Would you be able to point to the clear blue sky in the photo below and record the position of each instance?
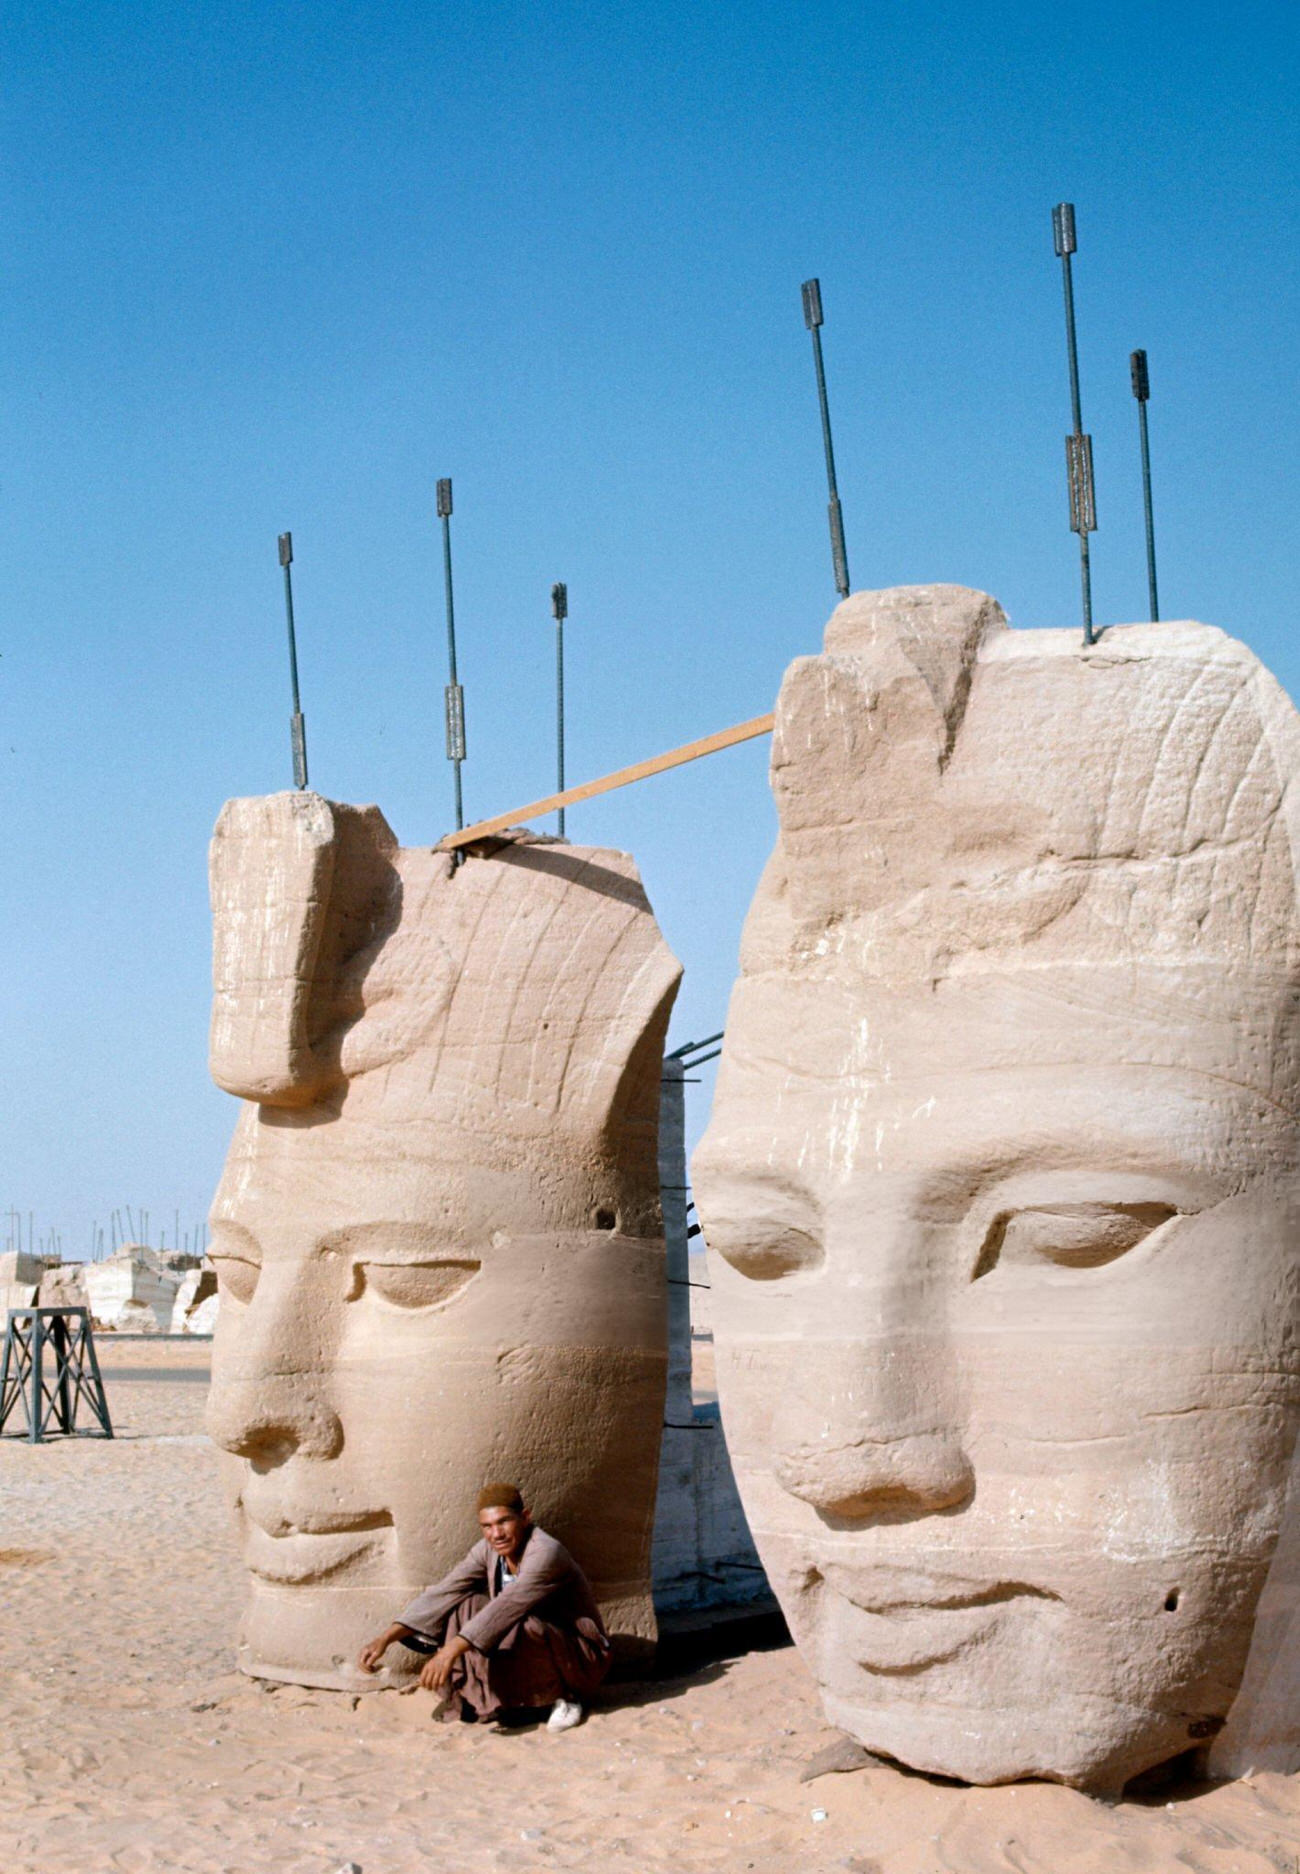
(277, 266)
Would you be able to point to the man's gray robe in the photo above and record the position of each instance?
(535, 1636)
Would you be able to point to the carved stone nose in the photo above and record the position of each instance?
(872, 1425)
(271, 1420)
(922, 1471)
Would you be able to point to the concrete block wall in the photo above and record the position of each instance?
(704, 1556)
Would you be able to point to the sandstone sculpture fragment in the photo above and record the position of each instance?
(1000, 1192)
(133, 1291)
(437, 1235)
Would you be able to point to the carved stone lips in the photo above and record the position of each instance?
(902, 1622)
(905, 1590)
(309, 1546)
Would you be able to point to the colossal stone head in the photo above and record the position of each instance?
(437, 1235)
(1000, 1192)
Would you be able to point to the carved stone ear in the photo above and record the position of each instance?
(297, 886)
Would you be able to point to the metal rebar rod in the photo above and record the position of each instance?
(559, 611)
(1085, 589)
(689, 1047)
(454, 696)
(297, 727)
(1078, 445)
(813, 318)
(1071, 343)
(1141, 379)
(1148, 515)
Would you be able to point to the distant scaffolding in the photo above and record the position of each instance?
(50, 1370)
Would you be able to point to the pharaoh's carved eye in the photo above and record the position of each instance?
(236, 1275)
(767, 1255)
(1073, 1236)
(414, 1284)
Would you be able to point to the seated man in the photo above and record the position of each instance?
(515, 1623)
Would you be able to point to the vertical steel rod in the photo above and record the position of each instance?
(297, 727)
(812, 318)
(559, 611)
(65, 1404)
(454, 695)
(1078, 445)
(1141, 379)
(38, 1378)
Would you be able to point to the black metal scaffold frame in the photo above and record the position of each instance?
(50, 1391)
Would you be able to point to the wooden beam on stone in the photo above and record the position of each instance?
(639, 771)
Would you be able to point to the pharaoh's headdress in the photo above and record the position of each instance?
(520, 996)
(957, 799)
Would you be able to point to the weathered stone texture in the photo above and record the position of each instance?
(1000, 1192)
(438, 1235)
(132, 1291)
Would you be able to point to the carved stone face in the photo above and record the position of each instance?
(384, 1346)
(1009, 1376)
(446, 1266)
(1002, 1229)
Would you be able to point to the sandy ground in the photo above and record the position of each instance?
(128, 1744)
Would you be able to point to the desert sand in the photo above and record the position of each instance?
(129, 1744)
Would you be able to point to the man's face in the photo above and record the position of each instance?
(386, 1340)
(1006, 1320)
(504, 1530)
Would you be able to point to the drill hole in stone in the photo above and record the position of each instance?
(1171, 1601)
(606, 1220)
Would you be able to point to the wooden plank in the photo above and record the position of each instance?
(639, 771)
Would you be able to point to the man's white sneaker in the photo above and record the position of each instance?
(565, 1713)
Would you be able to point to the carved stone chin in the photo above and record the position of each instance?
(437, 1234)
(1000, 1192)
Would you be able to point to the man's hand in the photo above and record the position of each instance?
(436, 1671)
(371, 1654)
